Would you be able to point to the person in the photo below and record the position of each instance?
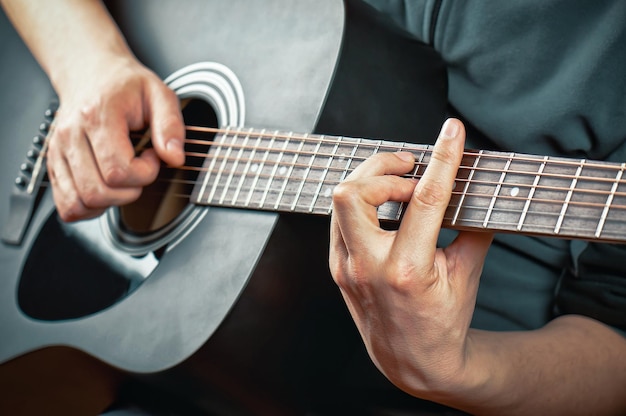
(543, 331)
(467, 319)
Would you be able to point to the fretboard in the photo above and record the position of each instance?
(494, 191)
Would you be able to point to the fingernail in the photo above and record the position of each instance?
(173, 145)
(450, 129)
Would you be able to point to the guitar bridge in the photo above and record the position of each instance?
(26, 192)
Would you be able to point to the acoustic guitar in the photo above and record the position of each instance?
(217, 276)
(230, 310)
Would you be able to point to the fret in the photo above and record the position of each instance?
(547, 201)
(475, 206)
(281, 167)
(233, 167)
(393, 210)
(615, 224)
(297, 145)
(257, 169)
(322, 179)
(249, 160)
(222, 167)
(269, 150)
(493, 190)
(479, 193)
(529, 198)
(341, 166)
(214, 153)
(417, 172)
(305, 176)
(466, 188)
(609, 200)
(288, 173)
(316, 174)
(568, 197)
(588, 201)
(348, 167)
(496, 192)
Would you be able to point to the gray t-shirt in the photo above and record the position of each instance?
(543, 77)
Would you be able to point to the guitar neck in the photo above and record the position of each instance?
(494, 191)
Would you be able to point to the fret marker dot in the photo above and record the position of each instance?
(328, 192)
(254, 168)
(515, 191)
(282, 170)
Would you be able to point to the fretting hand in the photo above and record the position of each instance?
(412, 302)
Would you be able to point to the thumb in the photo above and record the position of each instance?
(470, 249)
(166, 121)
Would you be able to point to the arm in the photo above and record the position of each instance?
(104, 93)
(412, 303)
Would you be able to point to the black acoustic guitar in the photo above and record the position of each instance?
(215, 283)
(228, 308)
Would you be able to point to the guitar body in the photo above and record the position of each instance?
(238, 314)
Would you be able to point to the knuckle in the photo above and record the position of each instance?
(91, 197)
(344, 193)
(71, 210)
(90, 113)
(401, 277)
(431, 194)
(445, 153)
(113, 174)
(170, 122)
(59, 137)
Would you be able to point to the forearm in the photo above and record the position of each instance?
(64, 35)
(573, 365)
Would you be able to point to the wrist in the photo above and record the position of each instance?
(465, 381)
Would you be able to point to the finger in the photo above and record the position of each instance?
(384, 164)
(80, 190)
(467, 254)
(422, 220)
(91, 188)
(166, 122)
(358, 220)
(108, 132)
(338, 253)
(68, 204)
(355, 200)
(373, 183)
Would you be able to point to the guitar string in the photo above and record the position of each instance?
(521, 199)
(484, 156)
(493, 224)
(510, 172)
(426, 149)
(397, 146)
(501, 196)
(423, 149)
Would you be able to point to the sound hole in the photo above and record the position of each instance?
(166, 198)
